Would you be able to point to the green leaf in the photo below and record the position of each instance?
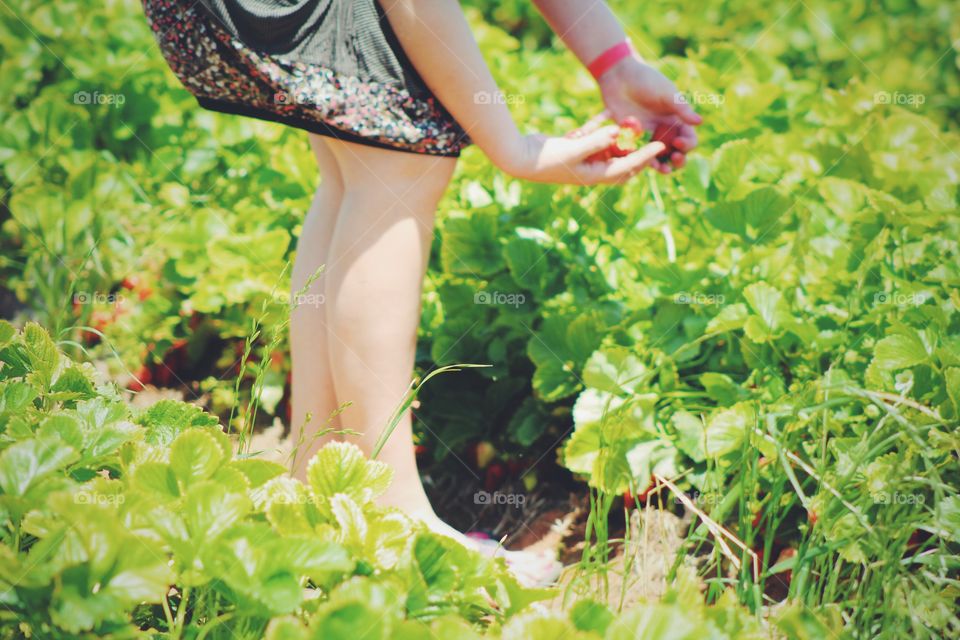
(948, 518)
(340, 467)
(899, 352)
(41, 352)
(158, 478)
(528, 423)
(471, 244)
(194, 456)
(430, 552)
(553, 381)
(16, 396)
(727, 429)
(7, 332)
(317, 559)
(696, 177)
(770, 312)
(952, 377)
(654, 622)
(167, 418)
(721, 388)
(730, 318)
(691, 435)
(209, 509)
(614, 369)
(286, 628)
(756, 217)
(141, 575)
(540, 627)
(258, 472)
(531, 257)
(286, 506)
(74, 383)
(25, 463)
(590, 615)
(729, 161)
(65, 427)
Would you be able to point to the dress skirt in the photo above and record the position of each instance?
(330, 67)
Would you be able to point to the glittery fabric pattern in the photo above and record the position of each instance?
(213, 65)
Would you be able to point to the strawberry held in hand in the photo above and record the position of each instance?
(627, 141)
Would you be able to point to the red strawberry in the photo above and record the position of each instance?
(494, 477)
(143, 377)
(786, 554)
(643, 495)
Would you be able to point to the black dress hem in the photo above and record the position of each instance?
(311, 126)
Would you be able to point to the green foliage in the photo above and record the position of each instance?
(775, 328)
(167, 534)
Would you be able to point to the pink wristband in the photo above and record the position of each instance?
(602, 63)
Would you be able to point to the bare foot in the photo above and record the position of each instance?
(530, 568)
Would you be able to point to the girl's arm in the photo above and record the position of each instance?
(437, 39)
(588, 28)
(631, 87)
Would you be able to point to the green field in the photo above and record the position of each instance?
(763, 347)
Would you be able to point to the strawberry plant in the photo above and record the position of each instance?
(767, 339)
(119, 523)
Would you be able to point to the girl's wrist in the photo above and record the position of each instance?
(611, 58)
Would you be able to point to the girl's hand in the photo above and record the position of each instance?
(633, 88)
(564, 160)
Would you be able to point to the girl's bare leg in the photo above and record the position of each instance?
(375, 269)
(312, 384)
